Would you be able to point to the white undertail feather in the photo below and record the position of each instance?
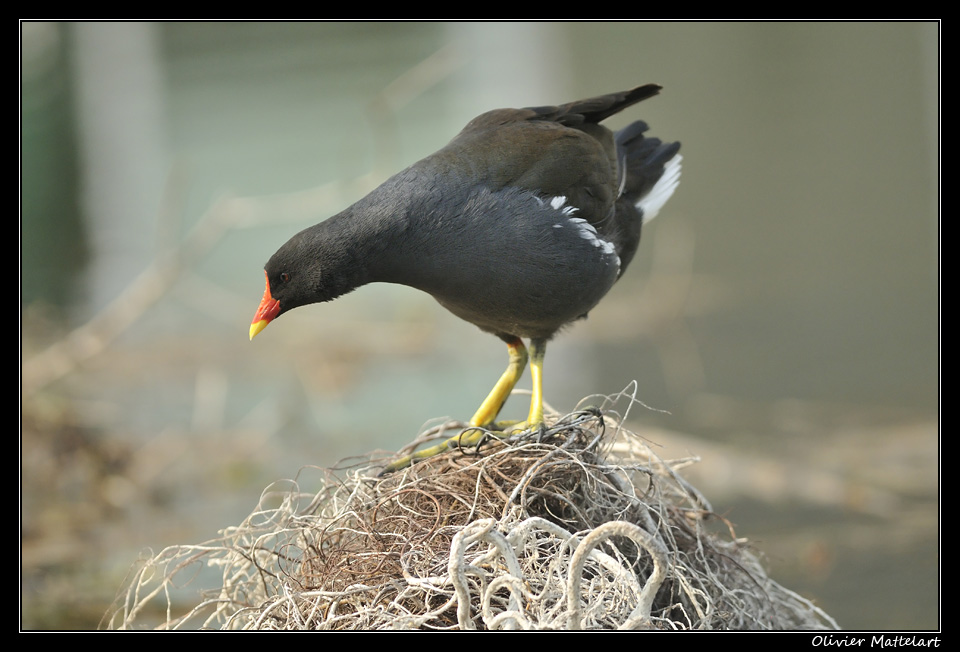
(651, 203)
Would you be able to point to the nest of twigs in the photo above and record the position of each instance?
(582, 526)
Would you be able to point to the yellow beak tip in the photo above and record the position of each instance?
(258, 326)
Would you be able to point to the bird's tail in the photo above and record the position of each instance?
(649, 168)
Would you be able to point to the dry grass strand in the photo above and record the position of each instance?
(582, 528)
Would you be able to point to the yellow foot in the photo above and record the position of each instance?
(515, 427)
(483, 422)
(467, 438)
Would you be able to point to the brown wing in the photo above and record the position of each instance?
(550, 150)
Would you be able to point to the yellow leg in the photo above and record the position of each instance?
(537, 350)
(484, 417)
(535, 417)
(492, 405)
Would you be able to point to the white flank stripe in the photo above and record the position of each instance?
(558, 203)
(584, 229)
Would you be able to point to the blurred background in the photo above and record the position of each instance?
(780, 320)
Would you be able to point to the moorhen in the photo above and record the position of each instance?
(520, 225)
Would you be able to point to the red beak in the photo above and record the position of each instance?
(268, 310)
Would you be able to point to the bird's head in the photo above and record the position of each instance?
(311, 267)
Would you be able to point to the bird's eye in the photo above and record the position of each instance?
(284, 277)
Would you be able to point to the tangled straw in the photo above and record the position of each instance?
(583, 527)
